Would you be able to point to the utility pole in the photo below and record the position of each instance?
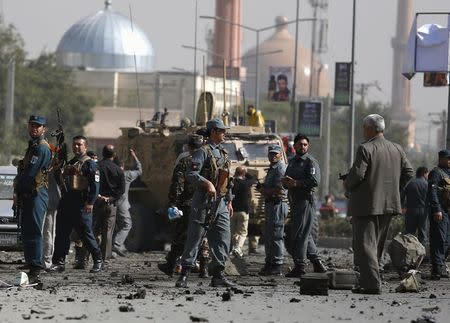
(327, 146)
(362, 89)
(351, 142)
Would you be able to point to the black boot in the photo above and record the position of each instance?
(98, 265)
(58, 266)
(167, 268)
(183, 278)
(80, 258)
(297, 272)
(34, 275)
(318, 266)
(219, 280)
(98, 262)
(271, 270)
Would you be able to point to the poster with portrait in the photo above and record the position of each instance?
(279, 83)
(310, 118)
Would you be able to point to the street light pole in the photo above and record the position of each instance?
(257, 72)
(195, 62)
(313, 49)
(294, 84)
(352, 103)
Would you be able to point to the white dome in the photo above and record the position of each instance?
(106, 40)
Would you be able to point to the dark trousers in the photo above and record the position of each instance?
(179, 239)
(33, 213)
(275, 212)
(104, 223)
(439, 240)
(303, 246)
(219, 236)
(416, 223)
(369, 236)
(70, 217)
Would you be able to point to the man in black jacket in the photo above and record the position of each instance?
(112, 187)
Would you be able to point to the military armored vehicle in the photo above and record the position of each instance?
(158, 147)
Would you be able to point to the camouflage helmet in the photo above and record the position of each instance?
(194, 141)
(185, 122)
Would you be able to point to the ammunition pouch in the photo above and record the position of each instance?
(77, 183)
(73, 177)
(41, 179)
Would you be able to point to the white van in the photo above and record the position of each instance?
(9, 226)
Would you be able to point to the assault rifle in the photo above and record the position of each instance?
(59, 159)
(212, 206)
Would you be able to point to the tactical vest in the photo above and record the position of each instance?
(73, 176)
(214, 170)
(41, 179)
(443, 189)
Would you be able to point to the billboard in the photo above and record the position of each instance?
(342, 83)
(310, 118)
(435, 79)
(278, 86)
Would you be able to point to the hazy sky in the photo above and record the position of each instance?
(170, 23)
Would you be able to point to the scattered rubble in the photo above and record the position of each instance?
(126, 308)
(127, 279)
(140, 294)
(226, 296)
(81, 317)
(198, 319)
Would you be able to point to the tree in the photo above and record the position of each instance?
(40, 87)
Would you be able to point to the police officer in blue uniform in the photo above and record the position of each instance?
(276, 211)
(302, 179)
(81, 187)
(31, 188)
(439, 203)
(204, 172)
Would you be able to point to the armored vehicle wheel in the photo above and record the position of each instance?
(142, 230)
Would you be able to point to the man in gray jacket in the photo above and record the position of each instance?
(374, 182)
(124, 223)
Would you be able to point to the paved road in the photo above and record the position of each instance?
(78, 295)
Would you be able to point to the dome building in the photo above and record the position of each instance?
(284, 61)
(106, 40)
(100, 49)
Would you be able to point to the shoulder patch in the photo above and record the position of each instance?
(34, 159)
(313, 170)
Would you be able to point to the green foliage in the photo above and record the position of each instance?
(341, 227)
(40, 87)
(335, 227)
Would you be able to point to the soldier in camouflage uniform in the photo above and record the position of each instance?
(209, 172)
(180, 196)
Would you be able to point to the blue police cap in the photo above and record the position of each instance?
(444, 153)
(38, 119)
(274, 149)
(216, 123)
